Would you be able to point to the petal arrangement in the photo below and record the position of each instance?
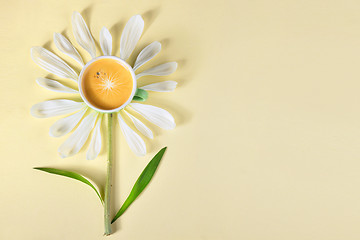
(108, 87)
(91, 123)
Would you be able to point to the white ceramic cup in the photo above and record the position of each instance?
(125, 65)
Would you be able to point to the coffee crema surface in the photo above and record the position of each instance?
(107, 84)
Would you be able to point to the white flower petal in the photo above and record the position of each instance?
(82, 34)
(55, 86)
(65, 125)
(166, 86)
(130, 36)
(52, 63)
(95, 144)
(160, 70)
(105, 41)
(140, 126)
(78, 138)
(67, 48)
(147, 54)
(135, 142)
(157, 116)
(53, 108)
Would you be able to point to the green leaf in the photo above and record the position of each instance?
(72, 175)
(141, 182)
(140, 95)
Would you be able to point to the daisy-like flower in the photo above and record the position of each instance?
(106, 84)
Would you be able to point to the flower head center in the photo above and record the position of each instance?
(107, 84)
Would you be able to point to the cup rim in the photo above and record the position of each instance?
(122, 62)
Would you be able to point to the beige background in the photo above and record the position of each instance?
(267, 108)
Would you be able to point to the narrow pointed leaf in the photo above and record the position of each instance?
(141, 182)
(72, 175)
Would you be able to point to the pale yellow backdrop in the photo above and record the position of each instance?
(268, 123)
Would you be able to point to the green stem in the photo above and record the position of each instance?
(108, 184)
